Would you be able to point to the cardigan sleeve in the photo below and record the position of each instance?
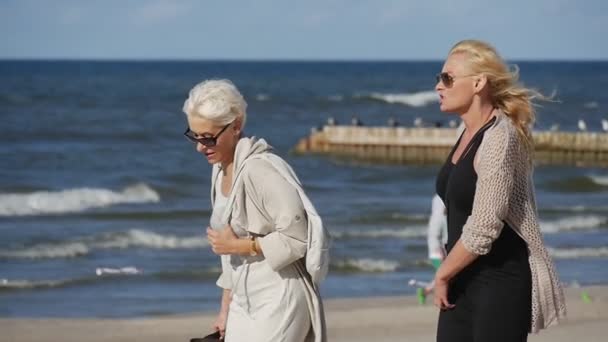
(499, 153)
(287, 241)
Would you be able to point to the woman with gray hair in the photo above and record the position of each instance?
(273, 247)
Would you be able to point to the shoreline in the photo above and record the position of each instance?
(348, 319)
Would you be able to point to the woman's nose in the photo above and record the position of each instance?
(439, 86)
(200, 147)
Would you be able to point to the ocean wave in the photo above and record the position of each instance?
(98, 277)
(580, 252)
(418, 99)
(409, 232)
(73, 200)
(591, 105)
(48, 251)
(7, 285)
(117, 240)
(582, 183)
(573, 223)
(335, 98)
(365, 265)
(574, 209)
(148, 214)
(387, 217)
(600, 180)
(262, 97)
(144, 238)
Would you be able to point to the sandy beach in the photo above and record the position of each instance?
(378, 319)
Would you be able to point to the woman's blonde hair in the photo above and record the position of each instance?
(506, 92)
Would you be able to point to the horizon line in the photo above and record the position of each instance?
(273, 60)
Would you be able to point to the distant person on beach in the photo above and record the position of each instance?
(271, 240)
(497, 282)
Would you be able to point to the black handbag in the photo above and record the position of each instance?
(213, 337)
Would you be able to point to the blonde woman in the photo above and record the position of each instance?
(270, 238)
(497, 282)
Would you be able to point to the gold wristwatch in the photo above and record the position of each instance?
(253, 251)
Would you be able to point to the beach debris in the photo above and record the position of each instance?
(418, 283)
(129, 270)
(422, 288)
(421, 296)
(585, 297)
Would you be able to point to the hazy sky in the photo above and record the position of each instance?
(305, 29)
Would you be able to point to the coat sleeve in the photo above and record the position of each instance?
(494, 190)
(287, 240)
(225, 279)
(435, 233)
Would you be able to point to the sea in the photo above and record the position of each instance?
(104, 203)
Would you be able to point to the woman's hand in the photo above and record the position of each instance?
(220, 323)
(441, 294)
(222, 241)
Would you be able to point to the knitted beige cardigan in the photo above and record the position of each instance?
(505, 193)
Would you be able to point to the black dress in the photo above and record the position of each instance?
(493, 294)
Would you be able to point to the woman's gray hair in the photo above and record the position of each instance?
(218, 101)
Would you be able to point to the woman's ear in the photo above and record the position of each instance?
(237, 127)
(480, 83)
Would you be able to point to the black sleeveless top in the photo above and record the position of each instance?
(456, 184)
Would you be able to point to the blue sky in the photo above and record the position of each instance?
(309, 29)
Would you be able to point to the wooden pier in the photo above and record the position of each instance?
(411, 145)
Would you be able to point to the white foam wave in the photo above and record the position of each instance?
(573, 208)
(581, 252)
(600, 180)
(400, 216)
(591, 105)
(120, 240)
(29, 284)
(368, 265)
(419, 99)
(144, 238)
(335, 98)
(573, 223)
(73, 200)
(262, 97)
(48, 251)
(577, 208)
(409, 232)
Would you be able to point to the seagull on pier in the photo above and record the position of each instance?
(605, 125)
(554, 128)
(418, 122)
(582, 126)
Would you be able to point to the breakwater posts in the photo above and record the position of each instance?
(413, 145)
